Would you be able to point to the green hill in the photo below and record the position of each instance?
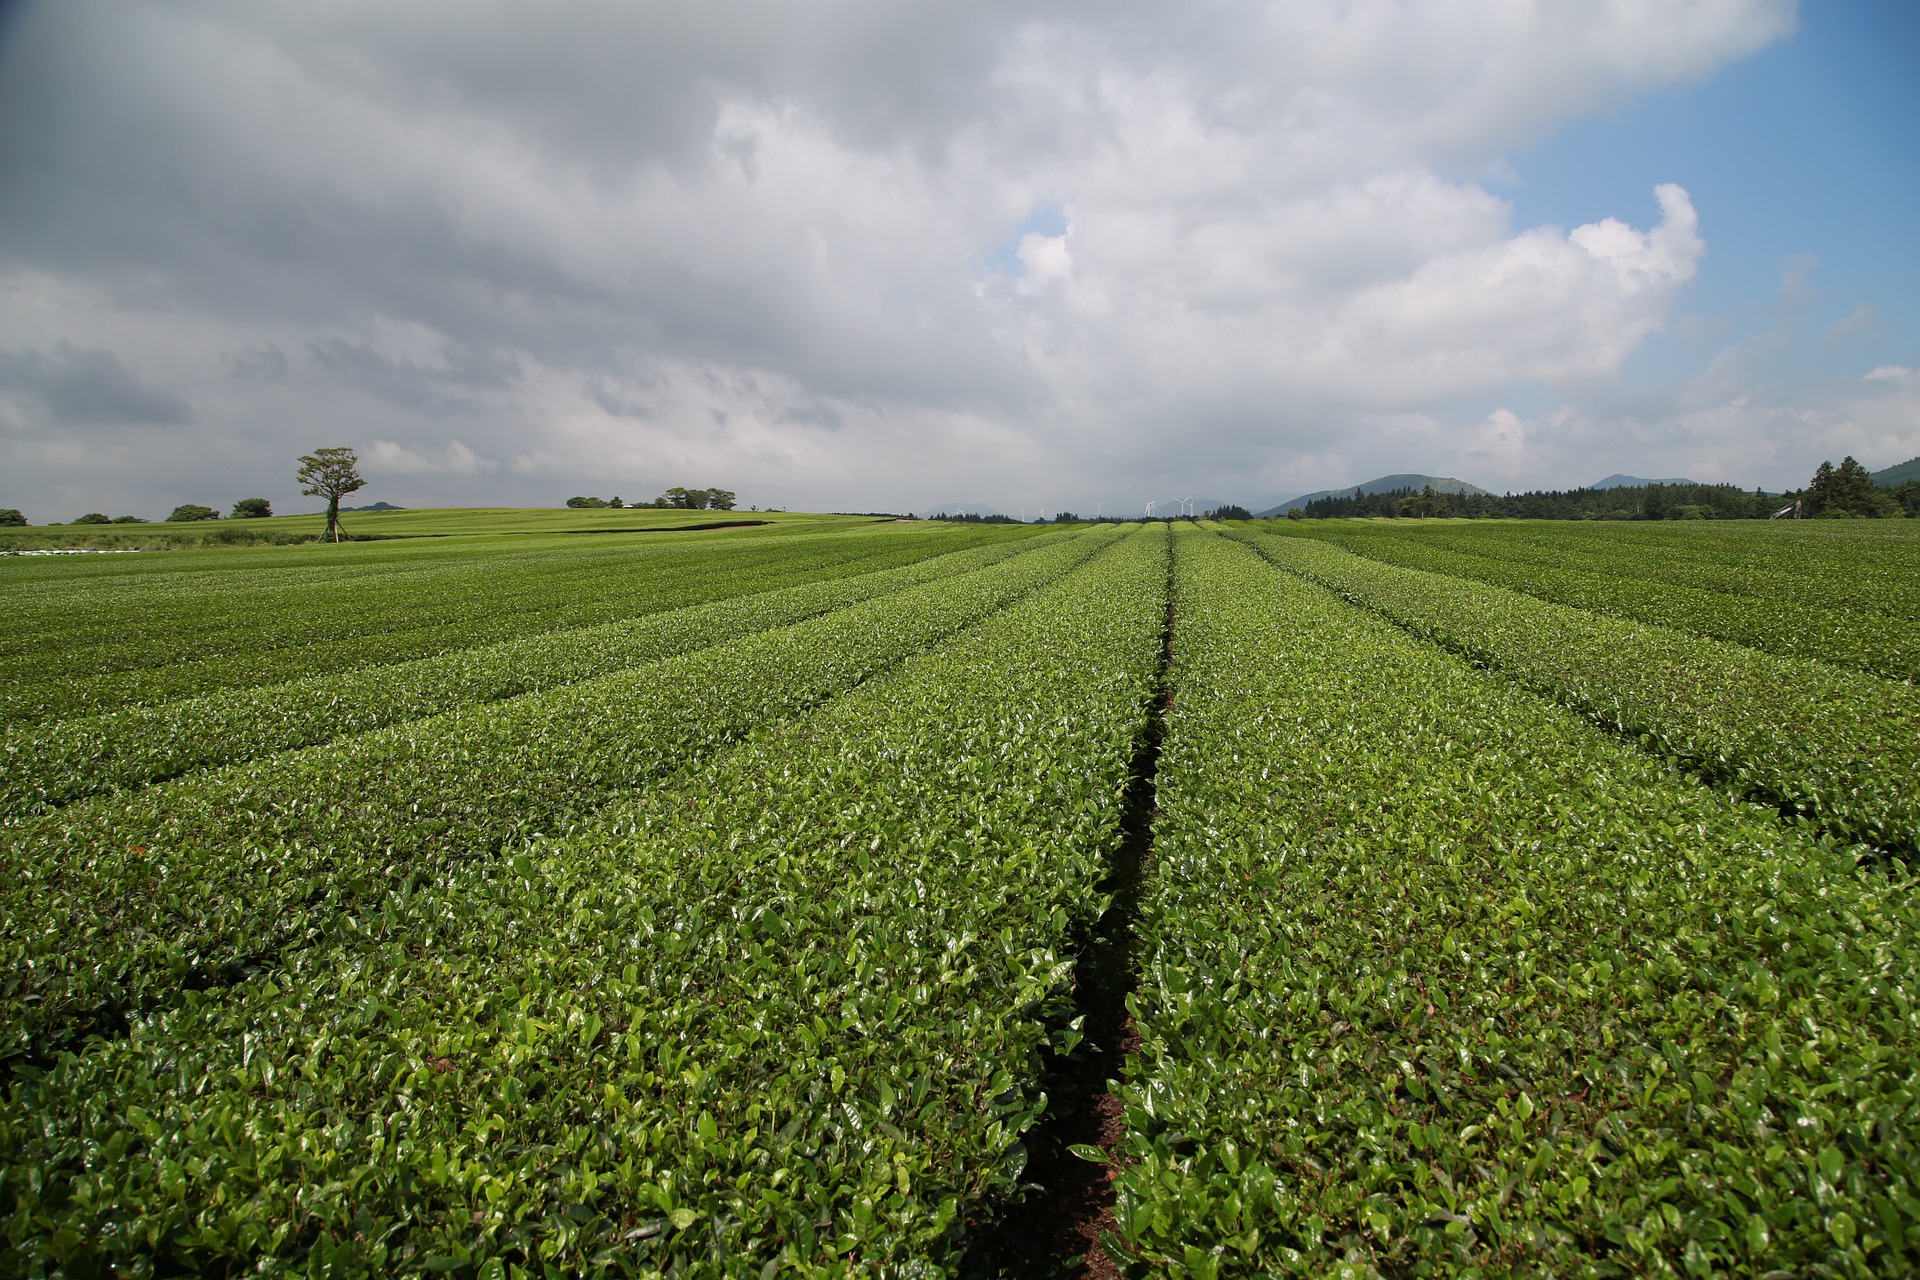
(1895, 476)
(1381, 484)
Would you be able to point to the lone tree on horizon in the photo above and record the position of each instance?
(331, 474)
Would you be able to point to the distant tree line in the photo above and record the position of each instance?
(185, 513)
(674, 499)
(1834, 492)
(1848, 492)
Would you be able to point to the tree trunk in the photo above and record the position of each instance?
(333, 518)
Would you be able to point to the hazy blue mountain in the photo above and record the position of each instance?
(1618, 481)
(1898, 474)
(1381, 484)
(378, 506)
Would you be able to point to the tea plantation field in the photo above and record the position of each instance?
(1471, 899)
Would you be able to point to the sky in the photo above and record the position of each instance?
(883, 254)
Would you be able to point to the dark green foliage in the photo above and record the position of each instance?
(252, 509)
(1630, 502)
(92, 517)
(129, 520)
(1232, 511)
(696, 499)
(190, 511)
(1848, 492)
(10, 517)
(580, 503)
(974, 517)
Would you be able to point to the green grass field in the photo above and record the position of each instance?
(844, 897)
(380, 525)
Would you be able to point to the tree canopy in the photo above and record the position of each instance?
(331, 474)
(1848, 491)
(696, 499)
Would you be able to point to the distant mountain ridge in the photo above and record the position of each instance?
(1380, 484)
(1898, 474)
(1620, 481)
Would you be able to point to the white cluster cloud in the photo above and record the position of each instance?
(453, 458)
(843, 254)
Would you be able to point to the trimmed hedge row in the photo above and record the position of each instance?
(1886, 645)
(79, 644)
(46, 765)
(120, 903)
(1839, 748)
(782, 1017)
(1441, 981)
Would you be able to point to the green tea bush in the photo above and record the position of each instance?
(48, 765)
(1737, 606)
(121, 904)
(1440, 980)
(782, 1016)
(1838, 747)
(159, 629)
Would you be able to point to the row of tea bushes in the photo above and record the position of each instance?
(782, 1017)
(1856, 567)
(185, 609)
(1439, 980)
(117, 904)
(1839, 748)
(46, 765)
(1869, 641)
(171, 628)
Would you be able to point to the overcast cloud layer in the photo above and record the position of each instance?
(849, 255)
